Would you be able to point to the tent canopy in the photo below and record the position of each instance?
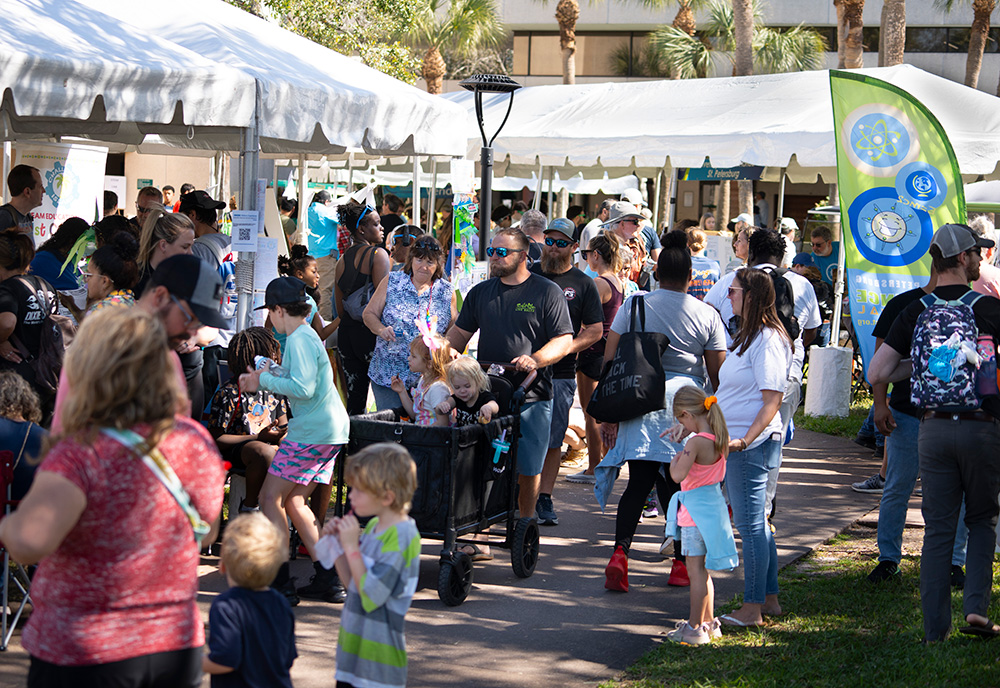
(777, 120)
(312, 99)
(67, 68)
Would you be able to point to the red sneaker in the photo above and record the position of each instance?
(679, 575)
(616, 572)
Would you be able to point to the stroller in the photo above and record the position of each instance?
(466, 480)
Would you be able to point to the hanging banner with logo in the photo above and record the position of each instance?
(72, 180)
(898, 180)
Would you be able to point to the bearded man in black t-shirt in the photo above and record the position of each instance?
(523, 322)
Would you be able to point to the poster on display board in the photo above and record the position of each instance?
(72, 180)
(898, 180)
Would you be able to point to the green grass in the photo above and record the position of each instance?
(839, 630)
(832, 425)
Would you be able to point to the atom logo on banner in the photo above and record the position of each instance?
(879, 139)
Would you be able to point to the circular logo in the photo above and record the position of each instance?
(887, 231)
(879, 139)
(921, 184)
(569, 293)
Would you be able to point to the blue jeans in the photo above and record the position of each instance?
(868, 429)
(902, 467)
(746, 483)
(385, 398)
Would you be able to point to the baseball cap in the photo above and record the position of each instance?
(282, 290)
(564, 226)
(619, 211)
(746, 218)
(192, 279)
(633, 196)
(955, 239)
(200, 199)
(788, 223)
(803, 259)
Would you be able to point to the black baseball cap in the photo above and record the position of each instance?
(283, 290)
(192, 279)
(200, 199)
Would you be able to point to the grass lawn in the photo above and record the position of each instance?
(832, 425)
(839, 630)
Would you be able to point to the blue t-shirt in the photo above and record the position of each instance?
(322, 237)
(47, 265)
(13, 436)
(827, 264)
(252, 631)
(705, 272)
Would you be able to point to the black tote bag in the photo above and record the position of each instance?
(633, 383)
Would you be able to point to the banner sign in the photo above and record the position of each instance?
(72, 179)
(707, 173)
(898, 180)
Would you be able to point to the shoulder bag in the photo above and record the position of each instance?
(358, 299)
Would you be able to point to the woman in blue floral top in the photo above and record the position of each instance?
(392, 314)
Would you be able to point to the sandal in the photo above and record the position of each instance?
(987, 630)
(475, 554)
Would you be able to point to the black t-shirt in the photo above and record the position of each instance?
(534, 252)
(899, 397)
(252, 631)
(469, 415)
(986, 310)
(514, 320)
(12, 217)
(389, 223)
(24, 302)
(584, 303)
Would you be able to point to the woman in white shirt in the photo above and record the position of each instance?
(751, 384)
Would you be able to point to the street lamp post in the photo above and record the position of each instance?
(480, 84)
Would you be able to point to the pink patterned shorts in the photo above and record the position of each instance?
(305, 463)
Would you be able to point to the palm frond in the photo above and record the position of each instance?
(687, 57)
(795, 50)
(474, 23)
(620, 61)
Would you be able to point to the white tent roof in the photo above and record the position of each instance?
(312, 99)
(66, 68)
(779, 120)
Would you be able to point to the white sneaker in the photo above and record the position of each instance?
(714, 628)
(685, 635)
(581, 477)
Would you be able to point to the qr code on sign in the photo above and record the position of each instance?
(244, 233)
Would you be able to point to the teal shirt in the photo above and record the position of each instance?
(318, 414)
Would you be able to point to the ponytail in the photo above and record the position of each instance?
(718, 424)
(693, 400)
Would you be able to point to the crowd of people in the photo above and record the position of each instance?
(115, 340)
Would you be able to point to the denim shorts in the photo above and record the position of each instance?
(692, 543)
(536, 417)
(563, 391)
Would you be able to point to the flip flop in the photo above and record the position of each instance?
(728, 620)
(476, 554)
(987, 630)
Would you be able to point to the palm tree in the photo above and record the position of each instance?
(981, 11)
(464, 27)
(892, 37)
(850, 25)
(743, 21)
(773, 50)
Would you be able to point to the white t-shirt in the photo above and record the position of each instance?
(692, 327)
(764, 366)
(786, 260)
(590, 230)
(806, 310)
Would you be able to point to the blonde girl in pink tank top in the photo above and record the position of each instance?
(703, 462)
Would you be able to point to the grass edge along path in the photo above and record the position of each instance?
(838, 630)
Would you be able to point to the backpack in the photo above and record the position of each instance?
(56, 335)
(943, 352)
(227, 271)
(784, 303)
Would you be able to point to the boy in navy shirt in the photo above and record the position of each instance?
(251, 626)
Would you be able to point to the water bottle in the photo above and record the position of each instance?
(986, 375)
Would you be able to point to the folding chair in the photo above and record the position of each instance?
(17, 574)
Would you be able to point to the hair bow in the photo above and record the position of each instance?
(427, 326)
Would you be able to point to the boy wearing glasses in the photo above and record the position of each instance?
(587, 317)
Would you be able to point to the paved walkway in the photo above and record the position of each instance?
(561, 625)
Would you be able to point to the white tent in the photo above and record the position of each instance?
(311, 99)
(778, 120)
(66, 68)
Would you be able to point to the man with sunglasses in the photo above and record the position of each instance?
(184, 292)
(148, 198)
(523, 323)
(959, 452)
(825, 251)
(587, 316)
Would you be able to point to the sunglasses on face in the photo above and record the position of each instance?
(502, 252)
(818, 244)
(561, 243)
(734, 291)
(630, 221)
(585, 253)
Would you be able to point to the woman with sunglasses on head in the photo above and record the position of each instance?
(751, 384)
(360, 264)
(399, 300)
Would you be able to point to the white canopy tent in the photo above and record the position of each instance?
(778, 121)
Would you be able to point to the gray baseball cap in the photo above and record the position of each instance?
(621, 210)
(192, 279)
(955, 239)
(563, 226)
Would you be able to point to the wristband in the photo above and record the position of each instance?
(354, 553)
(744, 444)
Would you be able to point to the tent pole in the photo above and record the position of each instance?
(6, 170)
(432, 206)
(552, 174)
(249, 156)
(302, 226)
(670, 175)
(838, 293)
(536, 202)
(657, 188)
(781, 197)
(416, 191)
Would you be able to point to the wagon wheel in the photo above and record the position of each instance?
(455, 579)
(524, 548)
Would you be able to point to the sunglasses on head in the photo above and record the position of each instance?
(561, 243)
(502, 251)
(427, 245)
